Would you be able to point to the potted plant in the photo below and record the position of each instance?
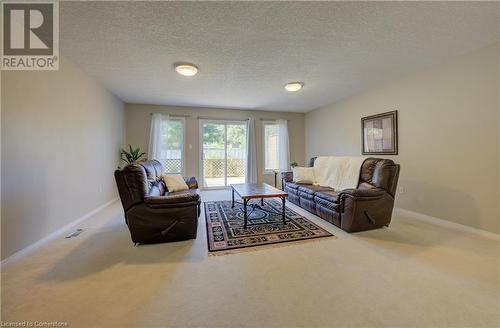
(132, 156)
(293, 164)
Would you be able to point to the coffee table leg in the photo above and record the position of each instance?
(262, 201)
(245, 212)
(283, 215)
(232, 204)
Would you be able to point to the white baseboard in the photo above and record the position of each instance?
(446, 223)
(58, 232)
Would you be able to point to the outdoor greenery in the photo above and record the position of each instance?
(236, 136)
(213, 135)
(172, 134)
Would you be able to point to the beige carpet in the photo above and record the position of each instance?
(412, 274)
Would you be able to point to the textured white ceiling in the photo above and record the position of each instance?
(247, 51)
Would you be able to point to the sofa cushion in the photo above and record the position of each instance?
(333, 206)
(306, 195)
(330, 196)
(294, 198)
(291, 191)
(311, 161)
(308, 205)
(150, 168)
(191, 182)
(367, 169)
(327, 214)
(365, 185)
(156, 188)
(132, 185)
(381, 173)
(176, 197)
(292, 185)
(311, 189)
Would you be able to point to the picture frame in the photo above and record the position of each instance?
(379, 134)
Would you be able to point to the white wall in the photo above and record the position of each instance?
(448, 136)
(138, 120)
(61, 134)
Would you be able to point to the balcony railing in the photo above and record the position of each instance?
(173, 166)
(214, 168)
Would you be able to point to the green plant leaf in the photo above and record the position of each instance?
(132, 155)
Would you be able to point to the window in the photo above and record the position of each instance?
(172, 145)
(271, 151)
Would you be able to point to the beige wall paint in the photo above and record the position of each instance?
(138, 120)
(448, 136)
(61, 134)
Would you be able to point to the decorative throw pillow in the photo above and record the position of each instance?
(174, 182)
(303, 174)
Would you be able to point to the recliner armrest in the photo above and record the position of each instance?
(191, 182)
(287, 176)
(364, 209)
(173, 200)
(362, 193)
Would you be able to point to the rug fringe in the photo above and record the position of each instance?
(269, 246)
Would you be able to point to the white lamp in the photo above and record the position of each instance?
(186, 69)
(294, 86)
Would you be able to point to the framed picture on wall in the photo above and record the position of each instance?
(379, 134)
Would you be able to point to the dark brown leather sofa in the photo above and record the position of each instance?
(369, 206)
(152, 213)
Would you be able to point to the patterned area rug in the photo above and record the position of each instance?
(265, 226)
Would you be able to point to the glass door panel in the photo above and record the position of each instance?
(236, 150)
(223, 153)
(213, 154)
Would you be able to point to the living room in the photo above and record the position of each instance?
(250, 164)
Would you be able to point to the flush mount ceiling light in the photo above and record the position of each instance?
(186, 69)
(294, 86)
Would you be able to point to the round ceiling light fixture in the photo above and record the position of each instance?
(294, 86)
(186, 69)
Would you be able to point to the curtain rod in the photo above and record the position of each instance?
(271, 119)
(235, 119)
(218, 118)
(173, 115)
(221, 119)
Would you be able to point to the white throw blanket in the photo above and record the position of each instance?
(337, 172)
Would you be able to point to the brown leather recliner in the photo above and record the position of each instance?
(369, 206)
(152, 213)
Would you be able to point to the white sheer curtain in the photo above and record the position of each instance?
(283, 146)
(155, 142)
(251, 170)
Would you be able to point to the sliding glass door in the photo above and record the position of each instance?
(223, 153)
(213, 156)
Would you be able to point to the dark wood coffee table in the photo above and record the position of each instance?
(248, 191)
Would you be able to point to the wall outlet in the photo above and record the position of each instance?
(401, 190)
